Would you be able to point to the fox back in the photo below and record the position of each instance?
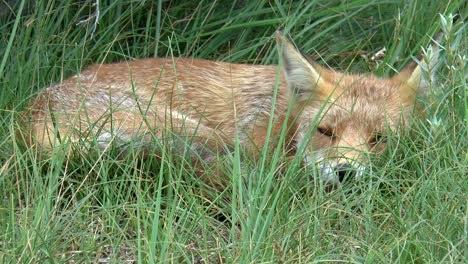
(339, 117)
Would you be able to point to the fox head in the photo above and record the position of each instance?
(343, 117)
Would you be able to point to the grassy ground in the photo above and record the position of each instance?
(409, 208)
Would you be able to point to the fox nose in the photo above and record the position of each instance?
(345, 171)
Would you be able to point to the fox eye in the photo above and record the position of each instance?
(378, 138)
(328, 132)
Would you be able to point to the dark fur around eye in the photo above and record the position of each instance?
(328, 132)
(378, 138)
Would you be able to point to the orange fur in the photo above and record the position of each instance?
(144, 100)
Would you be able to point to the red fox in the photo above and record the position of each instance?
(340, 117)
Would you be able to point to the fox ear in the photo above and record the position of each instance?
(416, 77)
(303, 77)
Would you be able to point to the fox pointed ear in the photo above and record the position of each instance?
(416, 77)
(303, 76)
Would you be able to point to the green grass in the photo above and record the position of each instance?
(410, 208)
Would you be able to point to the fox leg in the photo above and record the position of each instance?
(127, 129)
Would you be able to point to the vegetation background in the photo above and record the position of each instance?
(409, 208)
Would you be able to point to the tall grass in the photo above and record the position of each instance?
(410, 208)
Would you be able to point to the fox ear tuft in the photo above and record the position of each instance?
(417, 77)
(303, 77)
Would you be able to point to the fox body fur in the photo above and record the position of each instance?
(340, 117)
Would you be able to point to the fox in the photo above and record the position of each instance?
(340, 118)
